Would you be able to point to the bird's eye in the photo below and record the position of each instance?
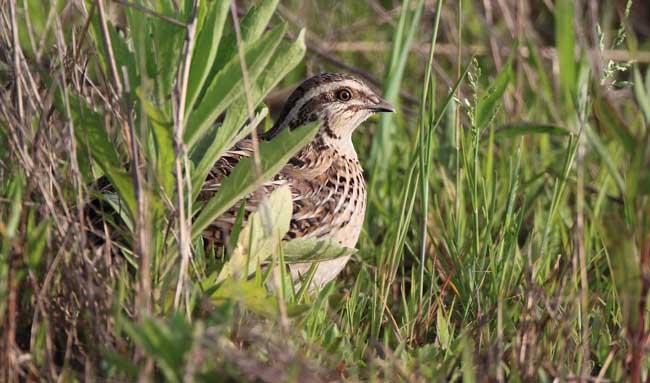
(344, 95)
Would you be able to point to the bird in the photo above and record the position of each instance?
(325, 177)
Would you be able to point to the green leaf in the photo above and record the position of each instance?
(36, 240)
(123, 364)
(138, 27)
(274, 155)
(15, 194)
(261, 236)
(409, 22)
(164, 156)
(252, 26)
(287, 56)
(626, 275)
(641, 94)
(206, 48)
(168, 42)
(228, 84)
(486, 107)
(442, 330)
(124, 58)
(92, 136)
(249, 294)
(524, 128)
(611, 121)
(314, 250)
(225, 135)
(602, 151)
(167, 342)
(565, 42)
(163, 141)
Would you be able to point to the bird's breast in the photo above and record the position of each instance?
(332, 204)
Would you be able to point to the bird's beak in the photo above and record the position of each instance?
(382, 106)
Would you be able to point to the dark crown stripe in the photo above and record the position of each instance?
(297, 97)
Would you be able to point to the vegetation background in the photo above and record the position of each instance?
(508, 227)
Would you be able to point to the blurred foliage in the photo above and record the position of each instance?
(507, 232)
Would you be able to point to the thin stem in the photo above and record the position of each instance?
(426, 149)
(180, 152)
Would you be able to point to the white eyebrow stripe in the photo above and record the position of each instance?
(316, 91)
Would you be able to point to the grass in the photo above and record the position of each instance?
(507, 232)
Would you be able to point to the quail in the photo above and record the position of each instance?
(325, 177)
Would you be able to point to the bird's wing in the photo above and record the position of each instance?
(305, 175)
(220, 229)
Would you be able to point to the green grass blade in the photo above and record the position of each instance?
(383, 142)
(525, 128)
(641, 94)
(487, 105)
(565, 41)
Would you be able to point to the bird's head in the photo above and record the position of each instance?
(339, 101)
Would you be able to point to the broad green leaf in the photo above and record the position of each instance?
(153, 112)
(122, 364)
(228, 84)
(218, 145)
(256, 242)
(524, 128)
(486, 106)
(257, 19)
(206, 48)
(164, 144)
(91, 135)
(286, 58)
(249, 294)
(314, 250)
(565, 42)
(164, 156)
(95, 33)
(442, 330)
(252, 26)
(274, 155)
(138, 26)
(36, 14)
(168, 43)
(167, 342)
(121, 52)
(124, 58)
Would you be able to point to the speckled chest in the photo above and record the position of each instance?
(331, 204)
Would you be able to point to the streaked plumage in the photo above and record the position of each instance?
(325, 177)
